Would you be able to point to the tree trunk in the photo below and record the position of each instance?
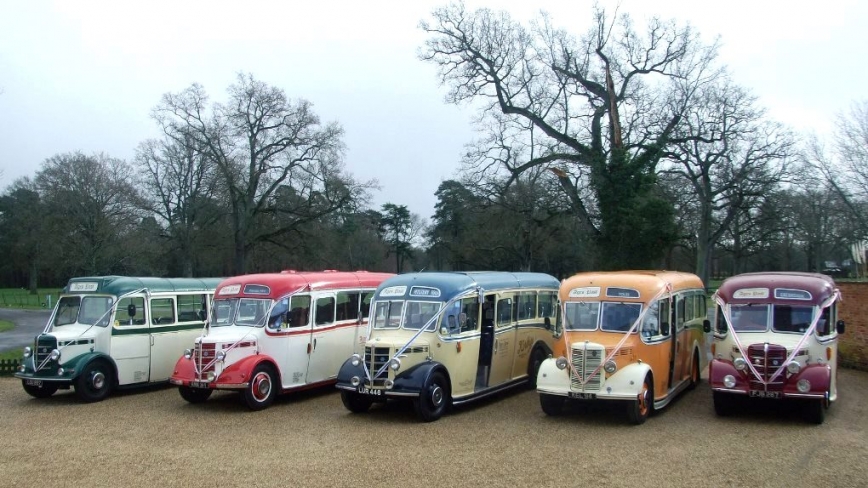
(32, 279)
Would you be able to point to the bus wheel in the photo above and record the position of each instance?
(722, 404)
(432, 400)
(355, 402)
(638, 409)
(551, 404)
(194, 395)
(95, 382)
(815, 411)
(694, 373)
(44, 390)
(262, 390)
(536, 360)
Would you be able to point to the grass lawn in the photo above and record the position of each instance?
(5, 325)
(21, 298)
(12, 354)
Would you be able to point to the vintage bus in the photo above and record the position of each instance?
(637, 337)
(115, 331)
(449, 338)
(277, 332)
(776, 337)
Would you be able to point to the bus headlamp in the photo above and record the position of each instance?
(355, 381)
(395, 364)
(27, 352)
(55, 355)
(740, 364)
(188, 353)
(210, 376)
(389, 384)
(220, 356)
(60, 371)
(729, 381)
(794, 367)
(561, 362)
(355, 360)
(610, 366)
(803, 385)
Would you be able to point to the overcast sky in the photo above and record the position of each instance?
(84, 76)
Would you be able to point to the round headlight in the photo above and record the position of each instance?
(27, 352)
(60, 371)
(803, 385)
(395, 364)
(740, 364)
(610, 366)
(561, 362)
(729, 381)
(210, 376)
(355, 360)
(794, 367)
(220, 356)
(355, 381)
(55, 354)
(188, 353)
(388, 383)
(20, 368)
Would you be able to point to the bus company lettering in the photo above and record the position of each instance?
(524, 346)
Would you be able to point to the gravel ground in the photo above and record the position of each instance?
(153, 438)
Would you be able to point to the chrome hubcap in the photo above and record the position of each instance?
(436, 395)
(261, 386)
(97, 380)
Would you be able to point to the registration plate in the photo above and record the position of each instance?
(198, 384)
(370, 391)
(36, 383)
(765, 394)
(582, 395)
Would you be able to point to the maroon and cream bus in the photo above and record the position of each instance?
(776, 338)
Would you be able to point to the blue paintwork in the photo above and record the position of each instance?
(452, 284)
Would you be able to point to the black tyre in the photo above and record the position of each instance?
(95, 382)
(695, 376)
(44, 390)
(536, 359)
(552, 405)
(433, 399)
(815, 411)
(355, 402)
(723, 404)
(194, 395)
(639, 409)
(263, 388)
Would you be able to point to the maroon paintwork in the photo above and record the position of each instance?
(820, 286)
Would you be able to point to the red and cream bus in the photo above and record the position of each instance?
(776, 337)
(277, 332)
(636, 337)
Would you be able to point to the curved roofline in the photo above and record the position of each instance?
(119, 285)
(454, 283)
(820, 286)
(647, 282)
(289, 281)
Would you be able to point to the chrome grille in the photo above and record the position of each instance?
(766, 359)
(204, 354)
(586, 360)
(376, 358)
(44, 346)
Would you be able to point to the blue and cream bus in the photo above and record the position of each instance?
(115, 331)
(450, 338)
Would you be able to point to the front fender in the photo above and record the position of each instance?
(78, 363)
(819, 375)
(184, 372)
(551, 379)
(239, 372)
(348, 371)
(628, 380)
(412, 380)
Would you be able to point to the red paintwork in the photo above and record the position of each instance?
(284, 283)
(820, 286)
(819, 375)
(241, 371)
(306, 331)
(184, 372)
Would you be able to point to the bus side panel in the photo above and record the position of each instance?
(167, 347)
(132, 353)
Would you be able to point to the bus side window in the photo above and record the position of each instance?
(665, 317)
(679, 311)
(162, 311)
(131, 304)
(299, 311)
(189, 307)
(720, 321)
(325, 310)
(348, 305)
(824, 324)
(366, 303)
(468, 319)
(504, 311)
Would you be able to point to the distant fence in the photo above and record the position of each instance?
(8, 366)
(23, 299)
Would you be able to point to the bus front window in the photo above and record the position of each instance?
(223, 312)
(789, 318)
(619, 317)
(582, 315)
(419, 313)
(387, 315)
(83, 310)
(750, 318)
(67, 311)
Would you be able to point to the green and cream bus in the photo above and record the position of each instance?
(114, 331)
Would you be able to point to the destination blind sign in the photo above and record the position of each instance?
(788, 294)
(424, 291)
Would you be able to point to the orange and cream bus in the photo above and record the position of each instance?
(632, 336)
(776, 338)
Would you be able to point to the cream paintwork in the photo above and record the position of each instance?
(166, 348)
(132, 355)
(625, 384)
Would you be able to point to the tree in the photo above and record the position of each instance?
(273, 157)
(730, 157)
(22, 234)
(598, 111)
(399, 228)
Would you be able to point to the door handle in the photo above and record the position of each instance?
(314, 344)
(495, 345)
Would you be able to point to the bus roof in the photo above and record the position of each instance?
(788, 287)
(119, 285)
(276, 285)
(647, 283)
(452, 284)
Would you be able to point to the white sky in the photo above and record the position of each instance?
(84, 76)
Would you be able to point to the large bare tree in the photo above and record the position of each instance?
(596, 110)
(277, 163)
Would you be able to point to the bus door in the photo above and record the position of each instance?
(503, 354)
(324, 361)
(131, 341)
(166, 343)
(291, 345)
(676, 329)
(486, 341)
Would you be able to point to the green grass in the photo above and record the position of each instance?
(21, 298)
(6, 325)
(12, 353)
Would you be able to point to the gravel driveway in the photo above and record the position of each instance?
(153, 438)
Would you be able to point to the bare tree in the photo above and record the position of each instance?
(594, 110)
(272, 154)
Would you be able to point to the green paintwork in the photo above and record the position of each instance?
(119, 285)
(154, 329)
